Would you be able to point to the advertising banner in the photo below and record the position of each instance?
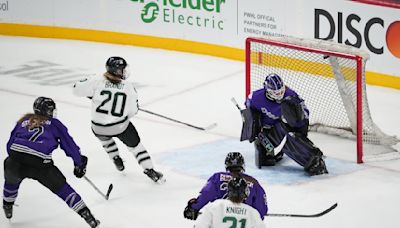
(226, 22)
(374, 29)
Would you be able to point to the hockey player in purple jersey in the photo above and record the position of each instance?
(216, 188)
(232, 210)
(278, 114)
(30, 147)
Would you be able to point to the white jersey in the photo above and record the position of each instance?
(112, 104)
(223, 213)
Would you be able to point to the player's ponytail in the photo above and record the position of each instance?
(33, 120)
(113, 79)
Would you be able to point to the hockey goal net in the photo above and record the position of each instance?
(330, 77)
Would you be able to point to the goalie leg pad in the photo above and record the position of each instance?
(261, 158)
(263, 140)
(297, 147)
(296, 151)
(264, 145)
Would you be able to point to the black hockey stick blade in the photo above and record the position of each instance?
(97, 189)
(110, 188)
(305, 216)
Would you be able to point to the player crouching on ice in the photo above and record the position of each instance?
(276, 114)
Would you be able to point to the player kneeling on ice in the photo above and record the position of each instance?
(216, 188)
(30, 147)
(114, 102)
(276, 114)
(232, 211)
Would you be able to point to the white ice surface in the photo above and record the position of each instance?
(194, 89)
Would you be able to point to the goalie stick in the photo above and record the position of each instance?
(177, 121)
(303, 215)
(107, 195)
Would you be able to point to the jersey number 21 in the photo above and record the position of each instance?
(234, 222)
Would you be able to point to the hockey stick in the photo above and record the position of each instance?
(235, 103)
(107, 195)
(305, 216)
(177, 121)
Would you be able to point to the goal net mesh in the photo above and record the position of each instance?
(330, 78)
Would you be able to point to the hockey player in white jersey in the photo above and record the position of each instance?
(231, 212)
(114, 102)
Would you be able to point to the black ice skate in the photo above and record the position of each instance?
(87, 215)
(8, 209)
(316, 166)
(155, 176)
(118, 163)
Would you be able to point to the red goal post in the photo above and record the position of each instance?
(331, 79)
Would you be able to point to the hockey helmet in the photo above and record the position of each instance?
(44, 106)
(234, 161)
(117, 66)
(274, 87)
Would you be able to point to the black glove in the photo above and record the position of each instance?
(80, 170)
(189, 212)
(293, 111)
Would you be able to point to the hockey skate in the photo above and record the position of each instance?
(87, 215)
(8, 210)
(119, 164)
(316, 166)
(155, 176)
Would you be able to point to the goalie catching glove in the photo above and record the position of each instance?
(293, 111)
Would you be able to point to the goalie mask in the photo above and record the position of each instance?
(234, 161)
(274, 87)
(44, 106)
(117, 66)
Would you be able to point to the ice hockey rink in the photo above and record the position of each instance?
(195, 89)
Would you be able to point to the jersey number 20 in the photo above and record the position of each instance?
(110, 97)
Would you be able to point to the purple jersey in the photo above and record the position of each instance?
(42, 141)
(216, 188)
(271, 110)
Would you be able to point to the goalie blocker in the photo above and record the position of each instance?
(294, 126)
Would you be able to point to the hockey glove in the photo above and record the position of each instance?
(80, 170)
(189, 212)
(293, 111)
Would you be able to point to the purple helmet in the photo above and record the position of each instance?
(274, 87)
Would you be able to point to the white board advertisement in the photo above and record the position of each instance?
(226, 22)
